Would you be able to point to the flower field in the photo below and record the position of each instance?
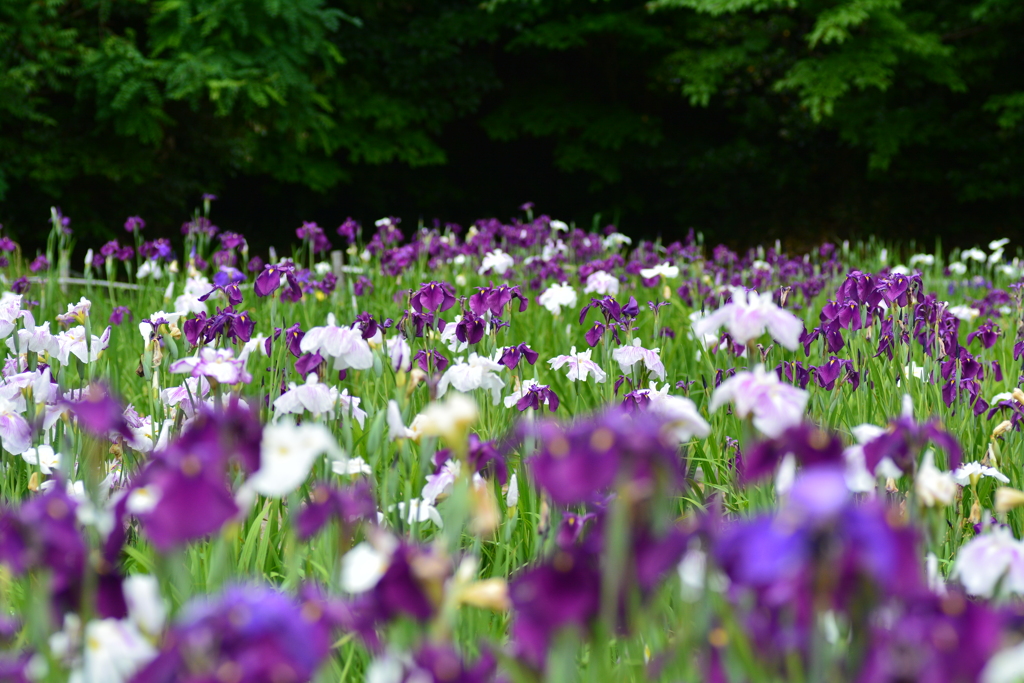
(515, 452)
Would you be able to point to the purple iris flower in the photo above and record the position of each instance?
(21, 285)
(511, 356)
(362, 286)
(828, 373)
(595, 333)
(65, 222)
(348, 505)
(42, 534)
(471, 328)
(118, 314)
(413, 324)
(134, 224)
(483, 456)
(564, 592)
(110, 248)
(293, 337)
(969, 366)
(349, 229)
(199, 226)
(308, 363)
(369, 326)
(846, 314)
(255, 632)
(830, 331)
(183, 493)
(536, 397)
(18, 667)
(437, 662)
(99, 413)
(399, 591)
(190, 503)
(233, 293)
(631, 309)
(232, 240)
(314, 234)
(636, 400)
(268, 281)
(292, 292)
(905, 439)
(579, 462)
(571, 528)
(433, 297)
(39, 263)
(987, 334)
(810, 445)
(794, 372)
(494, 299)
(157, 249)
(783, 562)
(608, 306)
(425, 359)
(935, 638)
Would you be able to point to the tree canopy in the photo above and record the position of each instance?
(750, 117)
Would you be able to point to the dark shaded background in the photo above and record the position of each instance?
(456, 111)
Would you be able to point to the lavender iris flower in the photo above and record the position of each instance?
(348, 505)
(255, 632)
(433, 297)
(512, 354)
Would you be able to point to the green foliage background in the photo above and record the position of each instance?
(745, 118)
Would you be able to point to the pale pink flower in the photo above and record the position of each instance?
(10, 311)
(602, 283)
(345, 345)
(680, 413)
(77, 313)
(15, 432)
(774, 405)
(580, 366)
(219, 365)
(400, 354)
(34, 338)
(313, 396)
(193, 389)
(350, 406)
(629, 355)
(73, 342)
(40, 381)
(476, 373)
(441, 482)
(747, 317)
(991, 560)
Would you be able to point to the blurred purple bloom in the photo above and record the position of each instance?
(39, 263)
(99, 413)
(134, 224)
(21, 285)
(118, 314)
(254, 633)
(348, 505)
(564, 592)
